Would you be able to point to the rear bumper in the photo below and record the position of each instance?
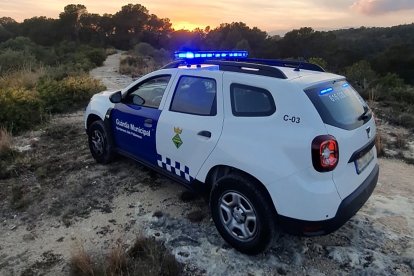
(346, 210)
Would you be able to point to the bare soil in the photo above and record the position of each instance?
(56, 199)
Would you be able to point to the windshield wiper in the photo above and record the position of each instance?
(363, 116)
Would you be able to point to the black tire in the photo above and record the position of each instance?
(99, 143)
(259, 233)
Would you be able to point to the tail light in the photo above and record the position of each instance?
(325, 153)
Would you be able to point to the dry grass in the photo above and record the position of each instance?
(110, 51)
(400, 140)
(81, 263)
(379, 144)
(117, 260)
(145, 257)
(6, 142)
(27, 78)
(7, 154)
(136, 66)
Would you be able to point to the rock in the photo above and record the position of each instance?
(29, 237)
(196, 216)
(187, 196)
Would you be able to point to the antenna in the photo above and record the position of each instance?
(302, 60)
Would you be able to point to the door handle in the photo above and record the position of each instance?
(205, 133)
(148, 123)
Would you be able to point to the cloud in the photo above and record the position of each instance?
(375, 7)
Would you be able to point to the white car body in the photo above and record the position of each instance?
(274, 149)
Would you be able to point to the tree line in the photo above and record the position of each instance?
(386, 49)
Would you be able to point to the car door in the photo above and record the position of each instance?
(191, 123)
(134, 120)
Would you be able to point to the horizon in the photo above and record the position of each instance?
(321, 15)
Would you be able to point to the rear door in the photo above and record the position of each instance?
(348, 118)
(134, 120)
(191, 123)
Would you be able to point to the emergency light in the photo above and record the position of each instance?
(210, 54)
(326, 91)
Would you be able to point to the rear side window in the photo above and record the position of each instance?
(250, 101)
(195, 95)
(339, 104)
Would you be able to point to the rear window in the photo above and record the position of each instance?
(250, 101)
(339, 104)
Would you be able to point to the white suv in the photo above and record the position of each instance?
(273, 143)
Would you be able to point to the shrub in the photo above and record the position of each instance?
(25, 78)
(5, 143)
(379, 144)
(19, 43)
(319, 61)
(7, 153)
(406, 120)
(20, 109)
(68, 94)
(144, 49)
(133, 65)
(96, 56)
(403, 95)
(110, 51)
(146, 257)
(11, 60)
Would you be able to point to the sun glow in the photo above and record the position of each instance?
(185, 25)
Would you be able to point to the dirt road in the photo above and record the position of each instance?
(57, 199)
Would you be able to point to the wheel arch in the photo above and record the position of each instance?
(91, 118)
(219, 171)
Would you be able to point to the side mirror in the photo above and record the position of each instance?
(116, 97)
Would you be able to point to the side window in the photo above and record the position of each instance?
(195, 95)
(250, 101)
(148, 93)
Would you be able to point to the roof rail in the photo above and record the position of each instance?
(286, 63)
(233, 66)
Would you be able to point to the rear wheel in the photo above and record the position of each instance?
(242, 214)
(99, 144)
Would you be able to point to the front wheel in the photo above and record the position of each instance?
(242, 214)
(99, 144)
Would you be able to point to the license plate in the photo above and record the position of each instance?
(362, 162)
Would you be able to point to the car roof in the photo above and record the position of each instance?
(305, 78)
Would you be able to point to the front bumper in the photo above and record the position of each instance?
(346, 210)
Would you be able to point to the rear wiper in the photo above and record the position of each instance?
(364, 115)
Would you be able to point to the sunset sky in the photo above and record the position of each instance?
(275, 17)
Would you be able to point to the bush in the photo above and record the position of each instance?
(144, 49)
(406, 120)
(319, 61)
(133, 65)
(5, 142)
(25, 78)
(96, 56)
(79, 58)
(146, 257)
(20, 108)
(143, 60)
(69, 93)
(110, 51)
(403, 95)
(11, 60)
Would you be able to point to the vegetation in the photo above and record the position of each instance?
(146, 257)
(378, 61)
(143, 59)
(36, 80)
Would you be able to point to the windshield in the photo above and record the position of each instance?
(339, 104)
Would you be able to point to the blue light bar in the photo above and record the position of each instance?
(345, 84)
(325, 91)
(210, 54)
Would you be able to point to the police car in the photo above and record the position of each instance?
(275, 144)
